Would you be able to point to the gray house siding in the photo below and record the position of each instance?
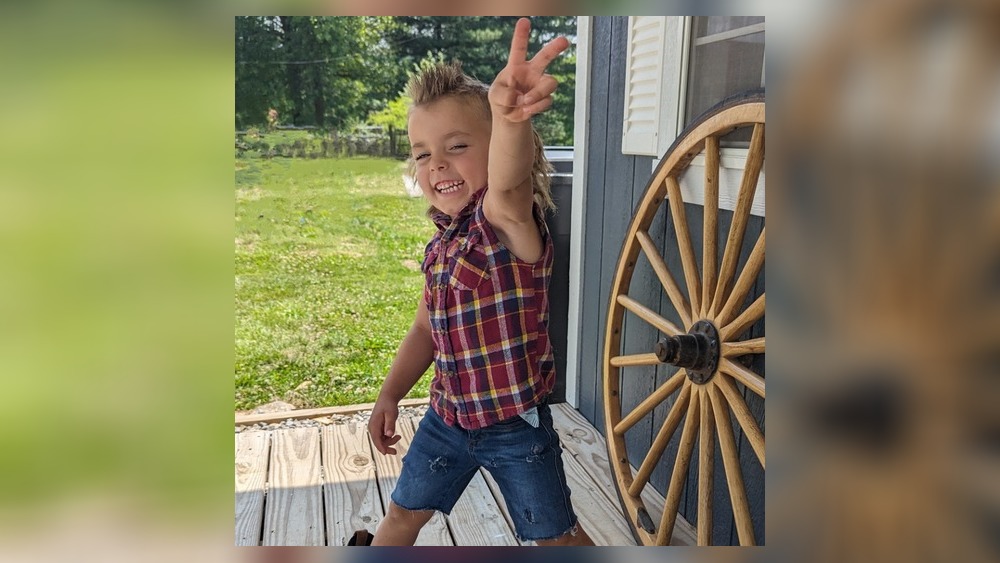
(615, 185)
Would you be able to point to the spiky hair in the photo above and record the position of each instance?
(444, 80)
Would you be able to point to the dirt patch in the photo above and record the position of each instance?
(250, 194)
(274, 406)
(247, 243)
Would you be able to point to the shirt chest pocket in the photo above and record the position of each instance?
(470, 264)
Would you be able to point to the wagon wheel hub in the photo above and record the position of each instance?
(697, 351)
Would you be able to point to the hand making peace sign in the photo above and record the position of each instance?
(522, 89)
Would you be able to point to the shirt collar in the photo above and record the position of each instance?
(442, 220)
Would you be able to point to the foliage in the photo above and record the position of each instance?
(313, 70)
(259, 81)
(394, 114)
(331, 71)
(318, 144)
(327, 278)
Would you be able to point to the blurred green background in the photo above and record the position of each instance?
(116, 253)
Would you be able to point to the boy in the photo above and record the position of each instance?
(484, 317)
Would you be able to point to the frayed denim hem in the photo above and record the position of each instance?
(572, 530)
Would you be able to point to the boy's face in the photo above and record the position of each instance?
(451, 147)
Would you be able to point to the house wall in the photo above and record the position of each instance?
(614, 185)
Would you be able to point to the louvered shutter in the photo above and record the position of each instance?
(643, 84)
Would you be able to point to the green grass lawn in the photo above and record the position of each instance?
(328, 278)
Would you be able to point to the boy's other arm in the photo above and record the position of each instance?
(521, 90)
(415, 354)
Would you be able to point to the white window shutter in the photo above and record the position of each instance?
(643, 84)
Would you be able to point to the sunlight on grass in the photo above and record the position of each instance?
(327, 278)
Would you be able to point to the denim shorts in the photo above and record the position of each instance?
(525, 461)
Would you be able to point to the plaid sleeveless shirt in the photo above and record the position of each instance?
(489, 316)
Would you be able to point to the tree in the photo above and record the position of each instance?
(324, 68)
(482, 43)
(333, 71)
(259, 82)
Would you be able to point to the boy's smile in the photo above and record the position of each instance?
(450, 141)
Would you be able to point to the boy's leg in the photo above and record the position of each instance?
(526, 463)
(401, 526)
(436, 469)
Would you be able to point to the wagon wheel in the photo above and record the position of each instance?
(707, 346)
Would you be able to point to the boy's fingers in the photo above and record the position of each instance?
(545, 86)
(519, 43)
(537, 107)
(391, 442)
(373, 426)
(389, 428)
(548, 53)
(504, 96)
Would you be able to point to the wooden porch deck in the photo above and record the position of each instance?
(316, 485)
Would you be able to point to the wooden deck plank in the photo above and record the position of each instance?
(601, 518)
(477, 518)
(582, 441)
(388, 468)
(350, 494)
(251, 479)
(294, 511)
(590, 449)
(287, 465)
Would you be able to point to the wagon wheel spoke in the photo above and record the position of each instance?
(635, 360)
(683, 239)
(752, 314)
(742, 347)
(663, 273)
(710, 245)
(744, 375)
(673, 499)
(734, 475)
(745, 282)
(748, 187)
(648, 315)
(649, 403)
(706, 470)
(747, 422)
(677, 410)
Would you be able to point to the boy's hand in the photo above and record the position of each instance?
(522, 89)
(382, 426)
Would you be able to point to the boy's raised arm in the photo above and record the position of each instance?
(521, 90)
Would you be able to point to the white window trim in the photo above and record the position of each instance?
(730, 34)
(578, 205)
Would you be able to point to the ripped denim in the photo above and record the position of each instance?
(525, 461)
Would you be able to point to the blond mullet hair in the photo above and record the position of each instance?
(444, 80)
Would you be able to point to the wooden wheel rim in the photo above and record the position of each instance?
(704, 407)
